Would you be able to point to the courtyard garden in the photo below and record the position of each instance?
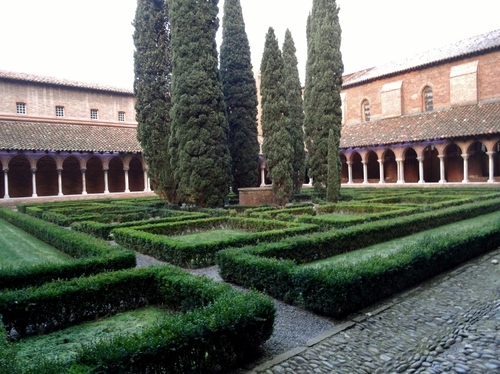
(73, 301)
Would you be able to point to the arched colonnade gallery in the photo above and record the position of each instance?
(36, 173)
(468, 161)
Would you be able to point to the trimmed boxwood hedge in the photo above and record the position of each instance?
(275, 267)
(91, 255)
(103, 230)
(214, 328)
(364, 213)
(152, 239)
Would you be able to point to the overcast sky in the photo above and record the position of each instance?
(91, 40)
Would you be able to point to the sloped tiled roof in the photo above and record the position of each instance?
(463, 48)
(16, 135)
(61, 82)
(451, 123)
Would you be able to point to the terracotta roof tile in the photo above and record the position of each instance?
(61, 82)
(455, 122)
(479, 43)
(16, 135)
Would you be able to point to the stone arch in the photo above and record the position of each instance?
(20, 177)
(496, 159)
(94, 175)
(478, 162)
(136, 175)
(453, 163)
(345, 171)
(71, 176)
(372, 167)
(410, 165)
(431, 164)
(357, 168)
(390, 166)
(46, 176)
(116, 176)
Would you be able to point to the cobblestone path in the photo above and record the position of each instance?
(450, 324)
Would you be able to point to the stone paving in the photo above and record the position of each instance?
(450, 324)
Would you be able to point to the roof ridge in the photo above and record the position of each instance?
(473, 44)
(6, 74)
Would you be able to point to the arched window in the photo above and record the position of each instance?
(428, 99)
(365, 111)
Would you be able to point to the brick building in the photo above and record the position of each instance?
(60, 137)
(432, 118)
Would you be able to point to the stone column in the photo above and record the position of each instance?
(491, 167)
(381, 169)
(84, 181)
(420, 170)
(441, 169)
(465, 156)
(401, 171)
(106, 188)
(349, 171)
(125, 170)
(146, 184)
(365, 172)
(33, 182)
(59, 182)
(6, 183)
(262, 177)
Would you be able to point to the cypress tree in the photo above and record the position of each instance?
(198, 145)
(276, 147)
(322, 101)
(240, 95)
(332, 182)
(152, 86)
(294, 100)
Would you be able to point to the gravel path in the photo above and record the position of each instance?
(293, 326)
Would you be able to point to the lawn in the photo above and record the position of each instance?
(208, 236)
(18, 248)
(392, 246)
(66, 344)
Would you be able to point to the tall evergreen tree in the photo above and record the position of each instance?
(152, 86)
(276, 147)
(322, 101)
(294, 100)
(333, 180)
(199, 139)
(240, 95)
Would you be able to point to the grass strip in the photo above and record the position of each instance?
(18, 249)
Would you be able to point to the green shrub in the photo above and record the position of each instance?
(154, 240)
(91, 255)
(336, 290)
(214, 329)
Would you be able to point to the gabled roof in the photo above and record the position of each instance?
(61, 82)
(16, 135)
(471, 46)
(471, 120)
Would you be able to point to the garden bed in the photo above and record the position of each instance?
(206, 325)
(162, 241)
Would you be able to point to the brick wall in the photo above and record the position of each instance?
(41, 100)
(413, 82)
(256, 196)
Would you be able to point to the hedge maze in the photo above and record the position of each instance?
(333, 259)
